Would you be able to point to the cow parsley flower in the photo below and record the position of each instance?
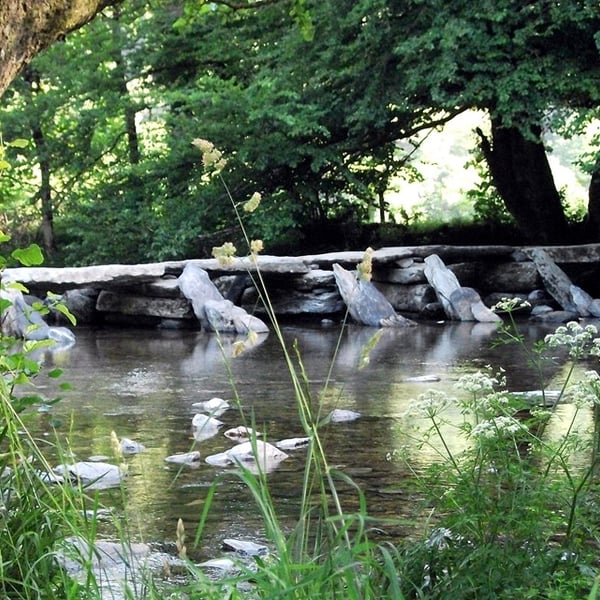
(510, 305)
(576, 339)
(585, 392)
(430, 403)
(498, 427)
(481, 382)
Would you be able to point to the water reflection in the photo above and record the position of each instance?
(143, 385)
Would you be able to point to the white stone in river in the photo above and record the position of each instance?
(242, 433)
(215, 406)
(340, 415)
(423, 379)
(205, 427)
(202, 421)
(293, 443)
(93, 475)
(185, 458)
(131, 447)
(266, 458)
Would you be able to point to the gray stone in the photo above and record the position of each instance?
(570, 297)
(82, 304)
(23, 321)
(255, 455)
(468, 306)
(520, 277)
(196, 285)
(127, 304)
(58, 279)
(191, 459)
(214, 312)
(555, 316)
(366, 304)
(443, 281)
(407, 298)
(594, 308)
(342, 415)
(408, 276)
(460, 303)
(225, 317)
(93, 475)
(245, 548)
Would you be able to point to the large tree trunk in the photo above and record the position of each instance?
(521, 173)
(593, 216)
(29, 26)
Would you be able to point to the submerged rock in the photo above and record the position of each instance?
(242, 433)
(245, 548)
(131, 446)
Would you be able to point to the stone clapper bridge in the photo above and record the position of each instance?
(420, 282)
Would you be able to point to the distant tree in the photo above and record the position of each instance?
(531, 65)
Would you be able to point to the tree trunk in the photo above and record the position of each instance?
(593, 216)
(521, 173)
(29, 26)
(45, 189)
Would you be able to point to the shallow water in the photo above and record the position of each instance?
(142, 384)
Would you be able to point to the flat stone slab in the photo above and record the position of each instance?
(128, 304)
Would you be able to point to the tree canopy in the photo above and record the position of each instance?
(317, 115)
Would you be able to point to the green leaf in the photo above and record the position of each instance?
(32, 255)
(55, 373)
(63, 310)
(19, 143)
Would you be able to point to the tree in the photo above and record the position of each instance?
(529, 64)
(29, 26)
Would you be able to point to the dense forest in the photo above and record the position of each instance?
(317, 106)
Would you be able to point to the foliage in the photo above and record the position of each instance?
(513, 514)
(37, 512)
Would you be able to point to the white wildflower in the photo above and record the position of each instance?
(480, 382)
(430, 403)
(576, 339)
(510, 304)
(498, 427)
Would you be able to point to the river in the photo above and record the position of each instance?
(142, 383)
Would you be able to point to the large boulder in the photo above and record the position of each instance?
(214, 312)
(366, 304)
(459, 303)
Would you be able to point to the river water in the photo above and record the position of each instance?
(142, 383)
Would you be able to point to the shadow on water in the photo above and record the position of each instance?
(142, 384)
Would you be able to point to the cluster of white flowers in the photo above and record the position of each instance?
(577, 339)
(430, 403)
(585, 392)
(498, 427)
(481, 382)
(510, 304)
